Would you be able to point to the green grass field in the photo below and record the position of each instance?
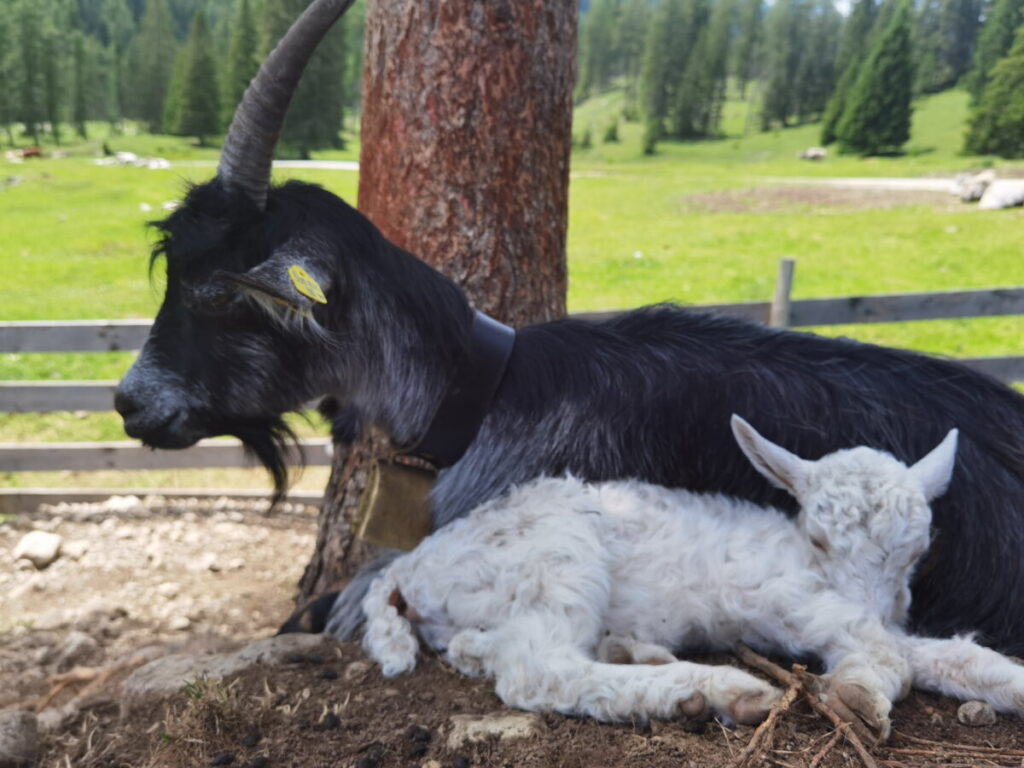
(675, 226)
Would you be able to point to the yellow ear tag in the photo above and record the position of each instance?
(305, 284)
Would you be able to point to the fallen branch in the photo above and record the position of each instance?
(765, 733)
(836, 735)
(811, 686)
(962, 747)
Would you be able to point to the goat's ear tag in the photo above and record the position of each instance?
(305, 284)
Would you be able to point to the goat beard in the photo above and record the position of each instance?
(272, 443)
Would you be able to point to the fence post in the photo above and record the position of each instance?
(778, 315)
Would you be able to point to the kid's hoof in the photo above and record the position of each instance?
(860, 706)
(694, 713)
(751, 708)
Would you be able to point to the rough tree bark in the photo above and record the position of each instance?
(466, 126)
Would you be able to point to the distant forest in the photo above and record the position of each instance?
(180, 66)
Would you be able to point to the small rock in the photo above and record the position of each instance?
(976, 714)
(164, 677)
(330, 722)
(179, 623)
(356, 671)
(224, 758)
(75, 648)
(168, 589)
(328, 674)
(75, 549)
(39, 548)
(122, 504)
(431, 764)
(502, 726)
(252, 737)
(19, 739)
(418, 739)
(373, 757)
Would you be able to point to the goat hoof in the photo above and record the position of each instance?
(751, 708)
(695, 706)
(694, 713)
(860, 706)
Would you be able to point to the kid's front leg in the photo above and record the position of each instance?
(961, 668)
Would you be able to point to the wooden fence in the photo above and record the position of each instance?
(128, 335)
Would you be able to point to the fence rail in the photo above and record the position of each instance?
(129, 335)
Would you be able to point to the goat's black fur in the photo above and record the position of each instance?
(647, 394)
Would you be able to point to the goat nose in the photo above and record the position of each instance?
(124, 404)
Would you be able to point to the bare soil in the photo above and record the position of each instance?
(234, 572)
(821, 199)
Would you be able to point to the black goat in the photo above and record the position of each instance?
(645, 395)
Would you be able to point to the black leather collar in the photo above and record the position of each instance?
(470, 392)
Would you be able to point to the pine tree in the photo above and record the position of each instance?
(997, 122)
(52, 66)
(7, 70)
(671, 37)
(815, 72)
(596, 53)
(749, 35)
(995, 39)
(30, 38)
(193, 97)
(878, 111)
(150, 64)
(242, 61)
(317, 109)
(79, 99)
(946, 34)
(785, 35)
(629, 46)
(701, 88)
(852, 48)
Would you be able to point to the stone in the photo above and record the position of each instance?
(356, 671)
(38, 547)
(77, 646)
(1002, 193)
(165, 677)
(19, 739)
(168, 589)
(75, 549)
(976, 714)
(504, 726)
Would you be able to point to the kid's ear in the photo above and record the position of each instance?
(935, 470)
(287, 278)
(781, 468)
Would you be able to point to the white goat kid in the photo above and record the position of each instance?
(531, 586)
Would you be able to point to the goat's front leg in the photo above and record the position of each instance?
(961, 668)
(864, 662)
(534, 669)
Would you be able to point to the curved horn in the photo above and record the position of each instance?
(248, 150)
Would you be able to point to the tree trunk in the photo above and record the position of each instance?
(466, 131)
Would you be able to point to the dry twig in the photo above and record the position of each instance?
(811, 687)
(836, 735)
(765, 733)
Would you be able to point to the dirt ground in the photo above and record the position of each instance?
(820, 199)
(136, 578)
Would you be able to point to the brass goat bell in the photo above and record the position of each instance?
(394, 510)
